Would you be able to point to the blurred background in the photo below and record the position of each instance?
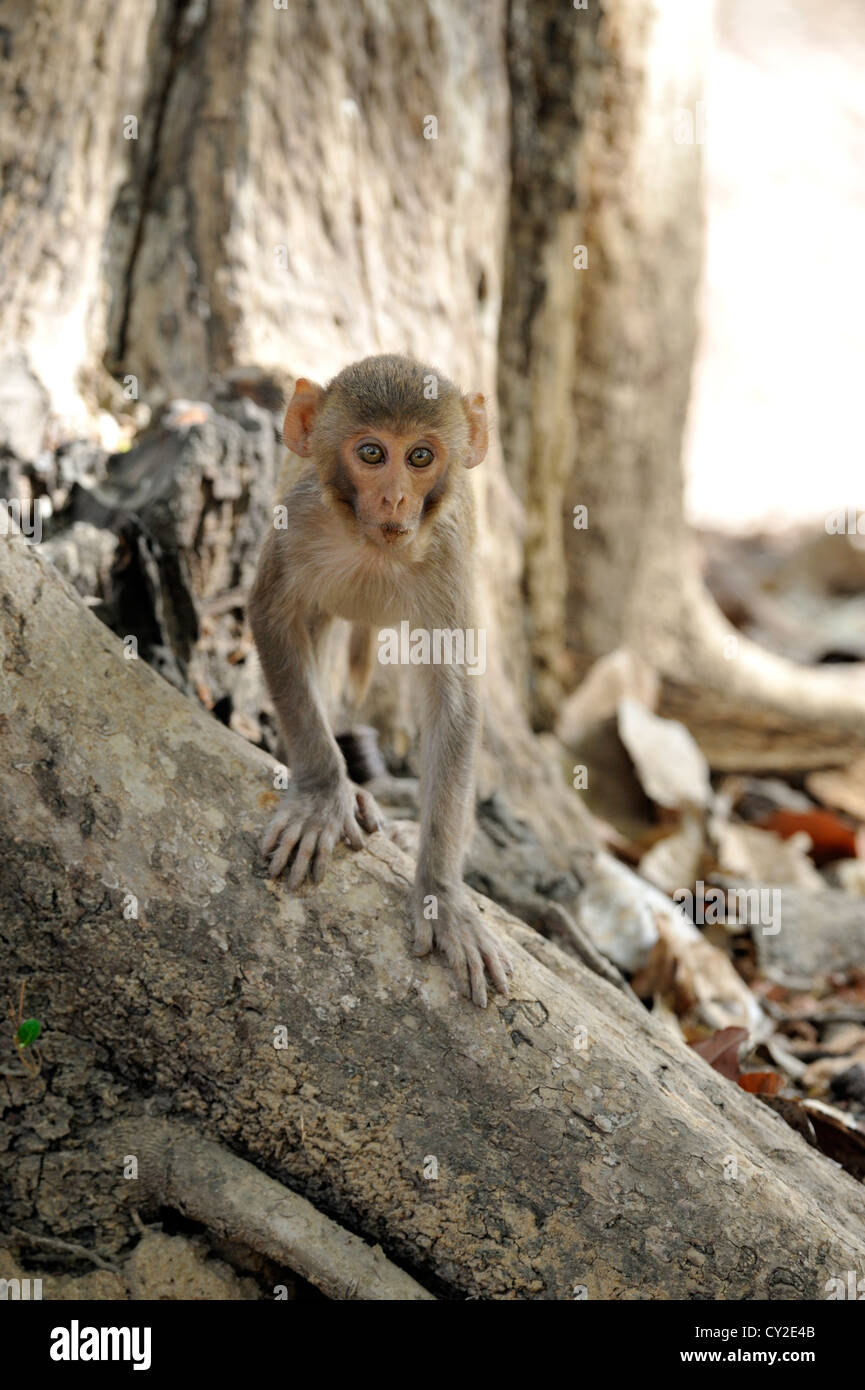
(774, 432)
(772, 447)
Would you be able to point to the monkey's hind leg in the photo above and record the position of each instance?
(359, 742)
(361, 652)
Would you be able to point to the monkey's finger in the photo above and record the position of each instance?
(368, 812)
(455, 952)
(476, 976)
(274, 830)
(351, 831)
(304, 854)
(498, 962)
(499, 967)
(327, 840)
(283, 850)
(319, 864)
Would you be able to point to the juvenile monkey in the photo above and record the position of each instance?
(380, 529)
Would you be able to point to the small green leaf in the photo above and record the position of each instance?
(28, 1032)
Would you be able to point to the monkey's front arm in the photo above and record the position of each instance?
(321, 806)
(443, 912)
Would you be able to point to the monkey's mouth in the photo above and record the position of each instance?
(393, 533)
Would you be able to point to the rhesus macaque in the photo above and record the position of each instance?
(379, 529)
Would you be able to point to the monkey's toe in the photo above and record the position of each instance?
(423, 937)
(368, 812)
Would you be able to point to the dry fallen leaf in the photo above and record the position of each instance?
(762, 1083)
(721, 1050)
(615, 912)
(760, 856)
(672, 770)
(697, 974)
(674, 861)
(621, 673)
(830, 837)
(838, 1136)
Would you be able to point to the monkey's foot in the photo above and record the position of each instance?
(401, 793)
(449, 920)
(404, 834)
(309, 824)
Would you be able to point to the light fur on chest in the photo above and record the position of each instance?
(360, 584)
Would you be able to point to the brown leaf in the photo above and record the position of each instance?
(791, 1109)
(838, 1136)
(721, 1051)
(762, 1083)
(830, 837)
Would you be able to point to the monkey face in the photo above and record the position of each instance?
(392, 480)
(388, 437)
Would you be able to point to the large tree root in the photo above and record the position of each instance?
(177, 1168)
(560, 1141)
(752, 710)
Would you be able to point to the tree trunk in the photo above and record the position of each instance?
(559, 1140)
(608, 124)
(598, 320)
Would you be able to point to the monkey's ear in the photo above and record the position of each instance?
(476, 414)
(300, 416)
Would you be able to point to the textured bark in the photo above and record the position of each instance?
(596, 357)
(185, 512)
(555, 64)
(607, 1166)
(69, 76)
(260, 130)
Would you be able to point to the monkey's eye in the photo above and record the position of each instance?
(371, 453)
(421, 457)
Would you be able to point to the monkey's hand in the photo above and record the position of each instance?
(449, 920)
(309, 823)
